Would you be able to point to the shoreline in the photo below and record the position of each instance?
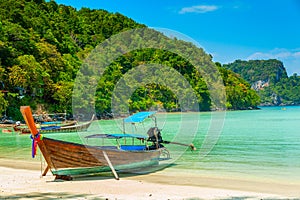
(23, 179)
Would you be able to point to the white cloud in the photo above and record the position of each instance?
(198, 9)
(277, 54)
(297, 54)
(289, 57)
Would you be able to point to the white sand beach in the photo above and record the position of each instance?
(22, 180)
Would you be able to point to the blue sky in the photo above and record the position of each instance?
(229, 30)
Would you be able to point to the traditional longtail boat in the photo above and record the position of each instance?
(7, 124)
(68, 127)
(67, 159)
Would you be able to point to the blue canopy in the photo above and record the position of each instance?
(138, 117)
(50, 127)
(55, 122)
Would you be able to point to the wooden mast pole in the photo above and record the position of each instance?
(28, 117)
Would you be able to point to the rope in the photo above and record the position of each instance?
(35, 139)
(41, 164)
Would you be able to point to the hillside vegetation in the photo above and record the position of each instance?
(269, 78)
(43, 44)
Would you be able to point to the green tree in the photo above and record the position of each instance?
(43, 45)
(3, 104)
(28, 74)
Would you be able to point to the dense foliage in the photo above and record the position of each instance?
(239, 96)
(42, 45)
(285, 92)
(275, 88)
(259, 70)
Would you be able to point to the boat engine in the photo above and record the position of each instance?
(154, 136)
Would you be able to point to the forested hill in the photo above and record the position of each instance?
(253, 71)
(43, 44)
(269, 78)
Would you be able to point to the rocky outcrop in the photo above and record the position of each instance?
(260, 85)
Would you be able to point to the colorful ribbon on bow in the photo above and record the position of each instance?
(35, 139)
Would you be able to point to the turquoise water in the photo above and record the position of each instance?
(261, 144)
(258, 144)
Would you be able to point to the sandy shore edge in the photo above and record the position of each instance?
(22, 180)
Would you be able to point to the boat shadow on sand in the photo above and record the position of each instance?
(121, 173)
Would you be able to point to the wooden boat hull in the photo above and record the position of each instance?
(66, 158)
(7, 125)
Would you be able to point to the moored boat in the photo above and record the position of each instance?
(65, 127)
(7, 123)
(66, 159)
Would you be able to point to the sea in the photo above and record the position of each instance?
(261, 144)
